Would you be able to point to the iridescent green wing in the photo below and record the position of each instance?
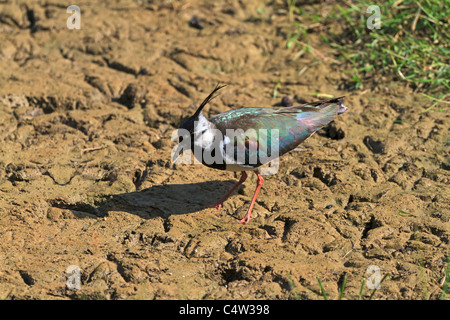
(262, 133)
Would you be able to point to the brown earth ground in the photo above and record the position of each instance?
(86, 179)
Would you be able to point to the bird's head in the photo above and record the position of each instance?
(188, 124)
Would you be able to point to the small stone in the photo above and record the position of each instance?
(143, 71)
(195, 23)
(287, 101)
(134, 93)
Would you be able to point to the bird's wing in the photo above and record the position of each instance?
(271, 131)
(318, 104)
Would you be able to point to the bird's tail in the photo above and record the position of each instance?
(342, 108)
(315, 115)
(326, 103)
(318, 118)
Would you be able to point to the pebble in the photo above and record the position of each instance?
(195, 23)
(287, 101)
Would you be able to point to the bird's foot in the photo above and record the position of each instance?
(218, 206)
(245, 220)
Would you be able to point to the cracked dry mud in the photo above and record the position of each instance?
(86, 118)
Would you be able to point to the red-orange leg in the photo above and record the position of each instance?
(219, 204)
(246, 219)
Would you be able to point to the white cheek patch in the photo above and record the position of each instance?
(204, 134)
(201, 125)
(207, 137)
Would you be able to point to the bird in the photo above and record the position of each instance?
(245, 139)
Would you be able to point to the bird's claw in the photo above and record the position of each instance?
(218, 206)
(245, 220)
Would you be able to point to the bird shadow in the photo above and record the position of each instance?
(156, 201)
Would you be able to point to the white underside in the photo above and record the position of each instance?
(237, 167)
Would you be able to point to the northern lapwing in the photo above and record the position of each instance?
(245, 139)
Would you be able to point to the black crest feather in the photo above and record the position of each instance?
(208, 99)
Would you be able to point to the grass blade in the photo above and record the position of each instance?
(375, 290)
(322, 289)
(341, 290)
(362, 288)
(446, 280)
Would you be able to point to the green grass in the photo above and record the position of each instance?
(412, 44)
(445, 286)
(322, 290)
(342, 288)
(362, 289)
(324, 295)
(276, 88)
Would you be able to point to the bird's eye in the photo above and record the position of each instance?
(180, 139)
